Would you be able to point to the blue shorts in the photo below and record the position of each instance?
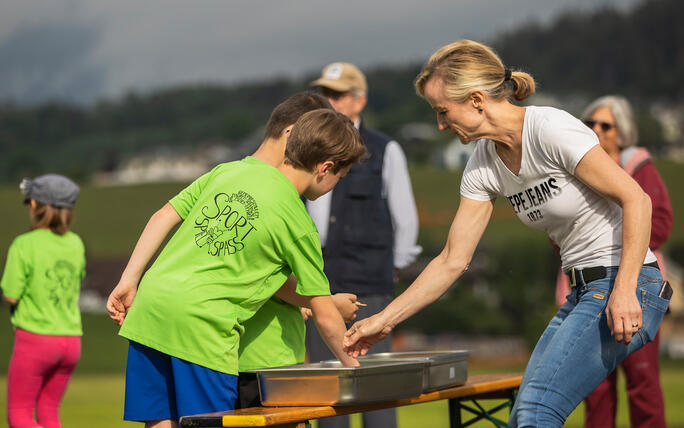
(159, 386)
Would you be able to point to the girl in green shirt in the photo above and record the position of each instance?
(41, 282)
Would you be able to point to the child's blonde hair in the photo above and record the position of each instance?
(56, 219)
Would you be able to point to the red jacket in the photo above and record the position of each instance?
(638, 163)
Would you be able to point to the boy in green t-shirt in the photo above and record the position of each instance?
(275, 335)
(244, 231)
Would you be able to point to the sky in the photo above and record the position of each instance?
(84, 50)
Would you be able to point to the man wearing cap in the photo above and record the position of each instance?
(368, 224)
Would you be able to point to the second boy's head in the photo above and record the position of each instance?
(286, 113)
(325, 143)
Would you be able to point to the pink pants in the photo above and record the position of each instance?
(39, 371)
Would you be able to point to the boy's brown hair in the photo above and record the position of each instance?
(56, 219)
(324, 135)
(287, 112)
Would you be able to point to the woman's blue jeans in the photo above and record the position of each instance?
(576, 351)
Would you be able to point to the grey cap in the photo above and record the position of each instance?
(51, 189)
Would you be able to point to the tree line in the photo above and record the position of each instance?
(639, 53)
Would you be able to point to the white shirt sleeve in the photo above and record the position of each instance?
(396, 187)
(319, 211)
(566, 140)
(475, 182)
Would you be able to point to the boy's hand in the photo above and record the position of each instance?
(306, 313)
(11, 301)
(120, 300)
(346, 304)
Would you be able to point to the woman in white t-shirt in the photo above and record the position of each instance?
(557, 178)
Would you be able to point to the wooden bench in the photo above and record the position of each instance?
(461, 399)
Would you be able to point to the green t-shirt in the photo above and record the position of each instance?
(43, 272)
(274, 336)
(245, 230)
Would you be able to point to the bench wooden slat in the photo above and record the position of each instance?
(484, 384)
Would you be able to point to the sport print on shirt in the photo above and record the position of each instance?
(225, 224)
(528, 200)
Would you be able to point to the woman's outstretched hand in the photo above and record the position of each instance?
(364, 334)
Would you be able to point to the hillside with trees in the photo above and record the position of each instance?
(639, 53)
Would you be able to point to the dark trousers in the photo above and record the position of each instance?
(248, 391)
(318, 351)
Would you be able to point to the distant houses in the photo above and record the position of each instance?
(171, 164)
(456, 154)
(165, 165)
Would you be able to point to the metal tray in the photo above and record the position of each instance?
(328, 383)
(443, 369)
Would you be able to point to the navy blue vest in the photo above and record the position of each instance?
(358, 249)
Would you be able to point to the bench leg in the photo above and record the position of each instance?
(456, 406)
(455, 413)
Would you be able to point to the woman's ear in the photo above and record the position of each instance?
(477, 99)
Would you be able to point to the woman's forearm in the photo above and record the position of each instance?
(636, 229)
(466, 230)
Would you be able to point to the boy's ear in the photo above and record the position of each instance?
(325, 168)
(287, 130)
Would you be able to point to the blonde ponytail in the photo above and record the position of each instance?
(467, 66)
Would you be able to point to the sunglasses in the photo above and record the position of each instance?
(605, 126)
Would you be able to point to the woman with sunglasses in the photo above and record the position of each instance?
(558, 179)
(611, 118)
